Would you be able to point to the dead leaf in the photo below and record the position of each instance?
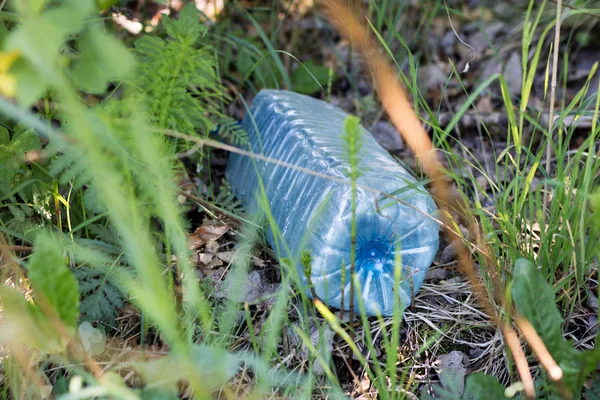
(229, 256)
(206, 233)
(207, 261)
(205, 258)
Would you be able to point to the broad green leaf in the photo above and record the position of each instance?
(25, 325)
(81, 9)
(534, 300)
(3, 33)
(29, 7)
(53, 281)
(39, 41)
(451, 385)
(102, 58)
(24, 141)
(105, 4)
(208, 367)
(309, 77)
(482, 386)
(30, 85)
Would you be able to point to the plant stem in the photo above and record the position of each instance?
(552, 95)
(352, 243)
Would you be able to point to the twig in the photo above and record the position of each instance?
(25, 249)
(552, 95)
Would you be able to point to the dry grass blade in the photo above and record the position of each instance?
(539, 348)
(512, 340)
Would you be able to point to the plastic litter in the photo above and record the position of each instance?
(313, 213)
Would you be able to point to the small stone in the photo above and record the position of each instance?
(592, 301)
(436, 274)
(449, 253)
(387, 136)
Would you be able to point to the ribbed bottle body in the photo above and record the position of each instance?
(313, 213)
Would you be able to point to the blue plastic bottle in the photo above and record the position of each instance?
(314, 214)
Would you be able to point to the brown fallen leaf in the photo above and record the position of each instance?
(206, 233)
(229, 256)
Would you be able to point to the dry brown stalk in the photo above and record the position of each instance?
(539, 348)
(513, 342)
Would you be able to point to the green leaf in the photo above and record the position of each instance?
(80, 9)
(309, 77)
(482, 386)
(188, 27)
(211, 367)
(52, 280)
(451, 385)
(24, 324)
(103, 58)
(593, 391)
(39, 40)
(535, 301)
(595, 204)
(30, 7)
(30, 85)
(158, 394)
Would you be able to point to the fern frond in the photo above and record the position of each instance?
(232, 131)
(227, 200)
(102, 300)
